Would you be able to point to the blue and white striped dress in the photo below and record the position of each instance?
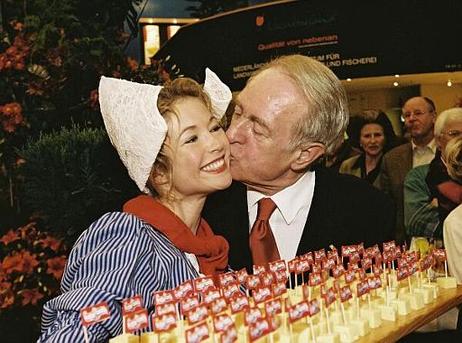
(117, 257)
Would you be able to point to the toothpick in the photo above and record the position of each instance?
(85, 334)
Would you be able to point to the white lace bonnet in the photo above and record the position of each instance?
(136, 128)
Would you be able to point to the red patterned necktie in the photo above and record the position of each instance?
(262, 243)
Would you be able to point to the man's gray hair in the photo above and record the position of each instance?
(327, 115)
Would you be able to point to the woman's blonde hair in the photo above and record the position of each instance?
(452, 156)
(169, 95)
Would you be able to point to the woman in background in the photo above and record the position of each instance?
(376, 136)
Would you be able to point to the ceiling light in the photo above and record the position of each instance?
(348, 80)
(396, 84)
(396, 75)
(449, 83)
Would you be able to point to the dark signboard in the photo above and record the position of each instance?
(354, 38)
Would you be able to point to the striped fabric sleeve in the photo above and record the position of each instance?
(117, 257)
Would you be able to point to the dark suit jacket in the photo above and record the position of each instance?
(395, 165)
(344, 210)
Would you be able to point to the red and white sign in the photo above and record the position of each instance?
(273, 307)
(229, 335)
(362, 288)
(183, 290)
(197, 333)
(231, 290)
(253, 281)
(267, 278)
(338, 271)
(197, 314)
(203, 284)
(226, 279)
(94, 314)
(345, 293)
(211, 296)
(258, 269)
(299, 311)
(319, 255)
(259, 329)
(279, 289)
(239, 303)
(315, 279)
(242, 275)
(189, 303)
(261, 294)
(222, 322)
(330, 296)
(164, 323)
(350, 276)
(314, 307)
(132, 304)
(136, 321)
(251, 315)
(277, 266)
(163, 297)
(165, 308)
(219, 305)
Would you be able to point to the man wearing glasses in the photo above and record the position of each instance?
(448, 192)
(419, 114)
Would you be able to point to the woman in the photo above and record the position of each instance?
(177, 153)
(376, 136)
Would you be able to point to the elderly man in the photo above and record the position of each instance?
(289, 114)
(429, 193)
(448, 125)
(419, 114)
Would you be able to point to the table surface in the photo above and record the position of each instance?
(404, 325)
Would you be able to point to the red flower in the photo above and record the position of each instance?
(11, 116)
(30, 296)
(22, 261)
(29, 262)
(56, 266)
(50, 242)
(6, 295)
(9, 237)
(11, 263)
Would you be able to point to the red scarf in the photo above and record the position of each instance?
(211, 250)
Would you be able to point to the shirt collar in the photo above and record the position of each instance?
(431, 146)
(290, 200)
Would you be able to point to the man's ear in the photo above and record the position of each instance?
(306, 155)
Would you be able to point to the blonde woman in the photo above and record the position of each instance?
(175, 150)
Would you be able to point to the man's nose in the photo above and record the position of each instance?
(234, 132)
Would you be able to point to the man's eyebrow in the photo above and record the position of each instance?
(252, 117)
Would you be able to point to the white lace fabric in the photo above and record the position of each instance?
(134, 125)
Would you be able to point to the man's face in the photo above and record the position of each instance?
(261, 130)
(419, 118)
(451, 129)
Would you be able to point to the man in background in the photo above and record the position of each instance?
(419, 114)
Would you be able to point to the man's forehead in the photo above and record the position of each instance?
(416, 103)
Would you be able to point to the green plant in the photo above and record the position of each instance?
(71, 177)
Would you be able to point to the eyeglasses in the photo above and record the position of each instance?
(452, 133)
(416, 113)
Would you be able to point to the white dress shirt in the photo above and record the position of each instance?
(423, 155)
(289, 218)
